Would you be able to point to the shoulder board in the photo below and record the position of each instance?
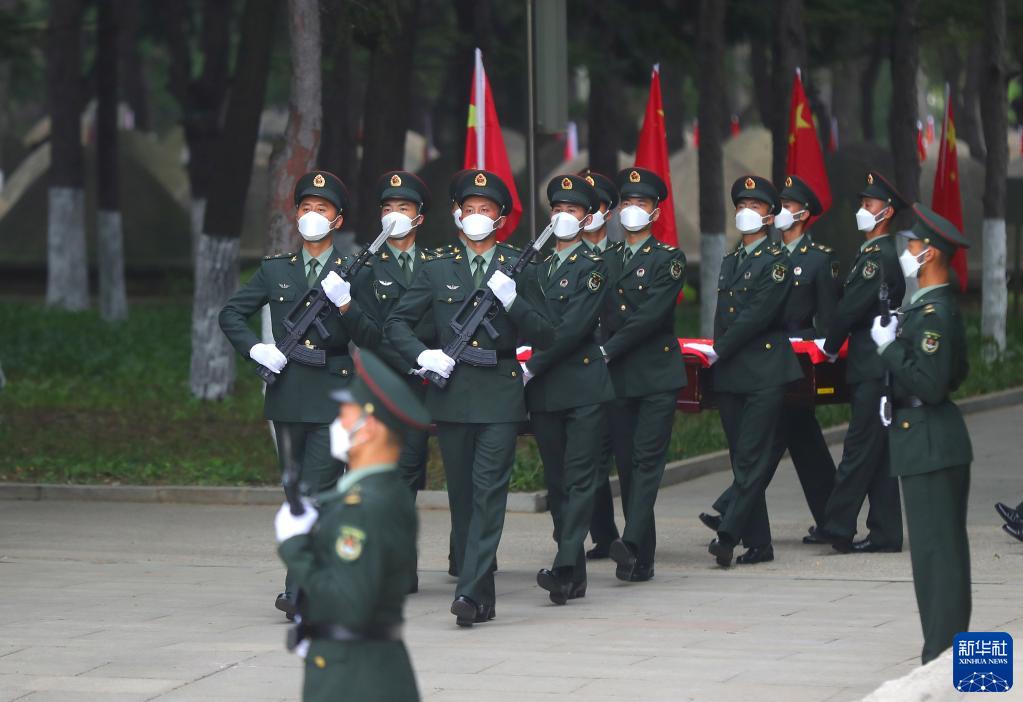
(506, 245)
(615, 246)
(591, 255)
(774, 250)
(872, 249)
(276, 256)
(822, 247)
(442, 254)
(666, 247)
(929, 309)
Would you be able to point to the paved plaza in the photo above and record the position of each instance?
(120, 602)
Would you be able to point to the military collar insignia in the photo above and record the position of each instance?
(804, 248)
(500, 258)
(640, 272)
(452, 287)
(294, 258)
(337, 262)
(759, 251)
(572, 258)
(384, 256)
(646, 249)
(458, 257)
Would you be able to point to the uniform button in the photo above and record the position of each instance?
(308, 343)
(666, 349)
(282, 299)
(623, 308)
(319, 662)
(620, 291)
(731, 309)
(475, 343)
(797, 282)
(640, 287)
(905, 425)
(344, 371)
(586, 361)
(767, 346)
(514, 374)
(449, 299)
(383, 297)
(731, 293)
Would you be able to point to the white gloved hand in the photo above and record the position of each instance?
(268, 355)
(503, 287)
(883, 335)
(526, 374)
(707, 350)
(302, 650)
(287, 524)
(832, 357)
(437, 361)
(337, 289)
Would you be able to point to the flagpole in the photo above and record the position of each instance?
(530, 121)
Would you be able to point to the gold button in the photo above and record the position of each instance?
(344, 371)
(308, 343)
(620, 291)
(623, 308)
(282, 299)
(514, 374)
(731, 293)
(767, 346)
(475, 343)
(586, 361)
(308, 303)
(640, 287)
(905, 425)
(383, 297)
(667, 349)
(319, 662)
(797, 282)
(449, 299)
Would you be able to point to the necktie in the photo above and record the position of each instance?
(553, 267)
(313, 266)
(626, 256)
(596, 248)
(742, 254)
(405, 263)
(477, 275)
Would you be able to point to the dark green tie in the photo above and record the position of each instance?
(405, 263)
(596, 248)
(553, 267)
(477, 275)
(313, 266)
(626, 256)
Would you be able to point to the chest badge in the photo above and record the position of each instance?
(385, 283)
(449, 286)
(798, 270)
(284, 286)
(747, 275)
(349, 543)
(869, 270)
(929, 344)
(564, 282)
(640, 272)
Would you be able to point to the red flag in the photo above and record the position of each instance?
(945, 199)
(805, 158)
(652, 153)
(696, 133)
(735, 128)
(484, 145)
(921, 146)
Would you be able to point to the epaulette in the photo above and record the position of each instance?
(872, 249)
(441, 253)
(929, 309)
(822, 247)
(275, 256)
(516, 249)
(588, 253)
(774, 249)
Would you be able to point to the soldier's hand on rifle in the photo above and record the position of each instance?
(268, 355)
(337, 289)
(503, 287)
(884, 334)
(437, 361)
(287, 524)
(832, 357)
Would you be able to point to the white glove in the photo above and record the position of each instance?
(337, 289)
(437, 361)
(302, 650)
(707, 350)
(832, 357)
(884, 335)
(526, 375)
(268, 355)
(503, 287)
(287, 524)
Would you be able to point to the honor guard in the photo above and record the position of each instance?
(645, 278)
(297, 403)
(353, 554)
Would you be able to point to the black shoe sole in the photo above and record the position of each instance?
(558, 592)
(754, 561)
(624, 559)
(287, 606)
(598, 553)
(722, 554)
(465, 613)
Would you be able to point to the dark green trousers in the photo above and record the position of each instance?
(863, 473)
(569, 454)
(640, 429)
(414, 453)
(310, 450)
(602, 524)
(478, 460)
(940, 554)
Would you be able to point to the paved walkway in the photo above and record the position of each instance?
(134, 602)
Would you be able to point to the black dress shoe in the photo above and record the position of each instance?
(812, 537)
(711, 521)
(756, 554)
(598, 552)
(558, 587)
(286, 603)
(467, 612)
(577, 590)
(642, 573)
(868, 546)
(842, 544)
(1014, 530)
(452, 570)
(722, 552)
(1009, 514)
(622, 554)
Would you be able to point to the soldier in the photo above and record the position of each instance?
(602, 525)
(807, 312)
(861, 472)
(645, 278)
(479, 412)
(353, 558)
(924, 349)
(567, 384)
(297, 403)
(752, 358)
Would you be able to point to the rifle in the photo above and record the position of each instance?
(291, 478)
(886, 382)
(477, 311)
(312, 309)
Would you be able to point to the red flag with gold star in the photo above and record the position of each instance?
(652, 153)
(805, 158)
(946, 200)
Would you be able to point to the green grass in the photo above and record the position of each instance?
(88, 402)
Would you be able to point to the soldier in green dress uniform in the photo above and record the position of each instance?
(862, 472)
(297, 402)
(568, 385)
(353, 553)
(924, 349)
(645, 278)
(479, 412)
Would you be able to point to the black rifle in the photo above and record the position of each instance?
(477, 311)
(291, 478)
(311, 310)
(884, 305)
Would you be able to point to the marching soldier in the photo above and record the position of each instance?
(645, 278)
(567, 385)
(297, 403)
(924, 349)
(354, 558)
(752, 359)
(479, 412)
(861, 472)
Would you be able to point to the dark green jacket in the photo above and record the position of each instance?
(855, 312)
(928, 361)
(814, 291)
(638, 319)
(354, 570)
(570, 372)
(301, 393)
(474, 395)
(749, 333)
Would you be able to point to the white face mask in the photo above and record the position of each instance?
(911, 264)
(402, 224)
(457, 214)
(748, 221)
(634, 218)
(313, 226)
(599, 220)
(341, 438)
(566, 226)
(867, 220)
(784, 220)
(477, 226)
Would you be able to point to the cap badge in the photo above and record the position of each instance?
(750, 183)
(395, 180)
(319, 181)
(480, 180)
(634, 177)
(870, 179)
(566, 183)
(788, 182)
(589, 179)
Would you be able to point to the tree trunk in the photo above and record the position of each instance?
(113, 300)
(132, 70)
(788, 53)
(67, 280)
(760, 70)
(297, 154)
(993, 112)
(339, 135)
(672, 76)
(868, 84)
(843, 100)
(711, 47)
(216, 272)
(903, 110)
(968, 127)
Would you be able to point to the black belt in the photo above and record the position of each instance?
(908, 402)
(335, 632)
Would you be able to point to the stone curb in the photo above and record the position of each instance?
(674, 473)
